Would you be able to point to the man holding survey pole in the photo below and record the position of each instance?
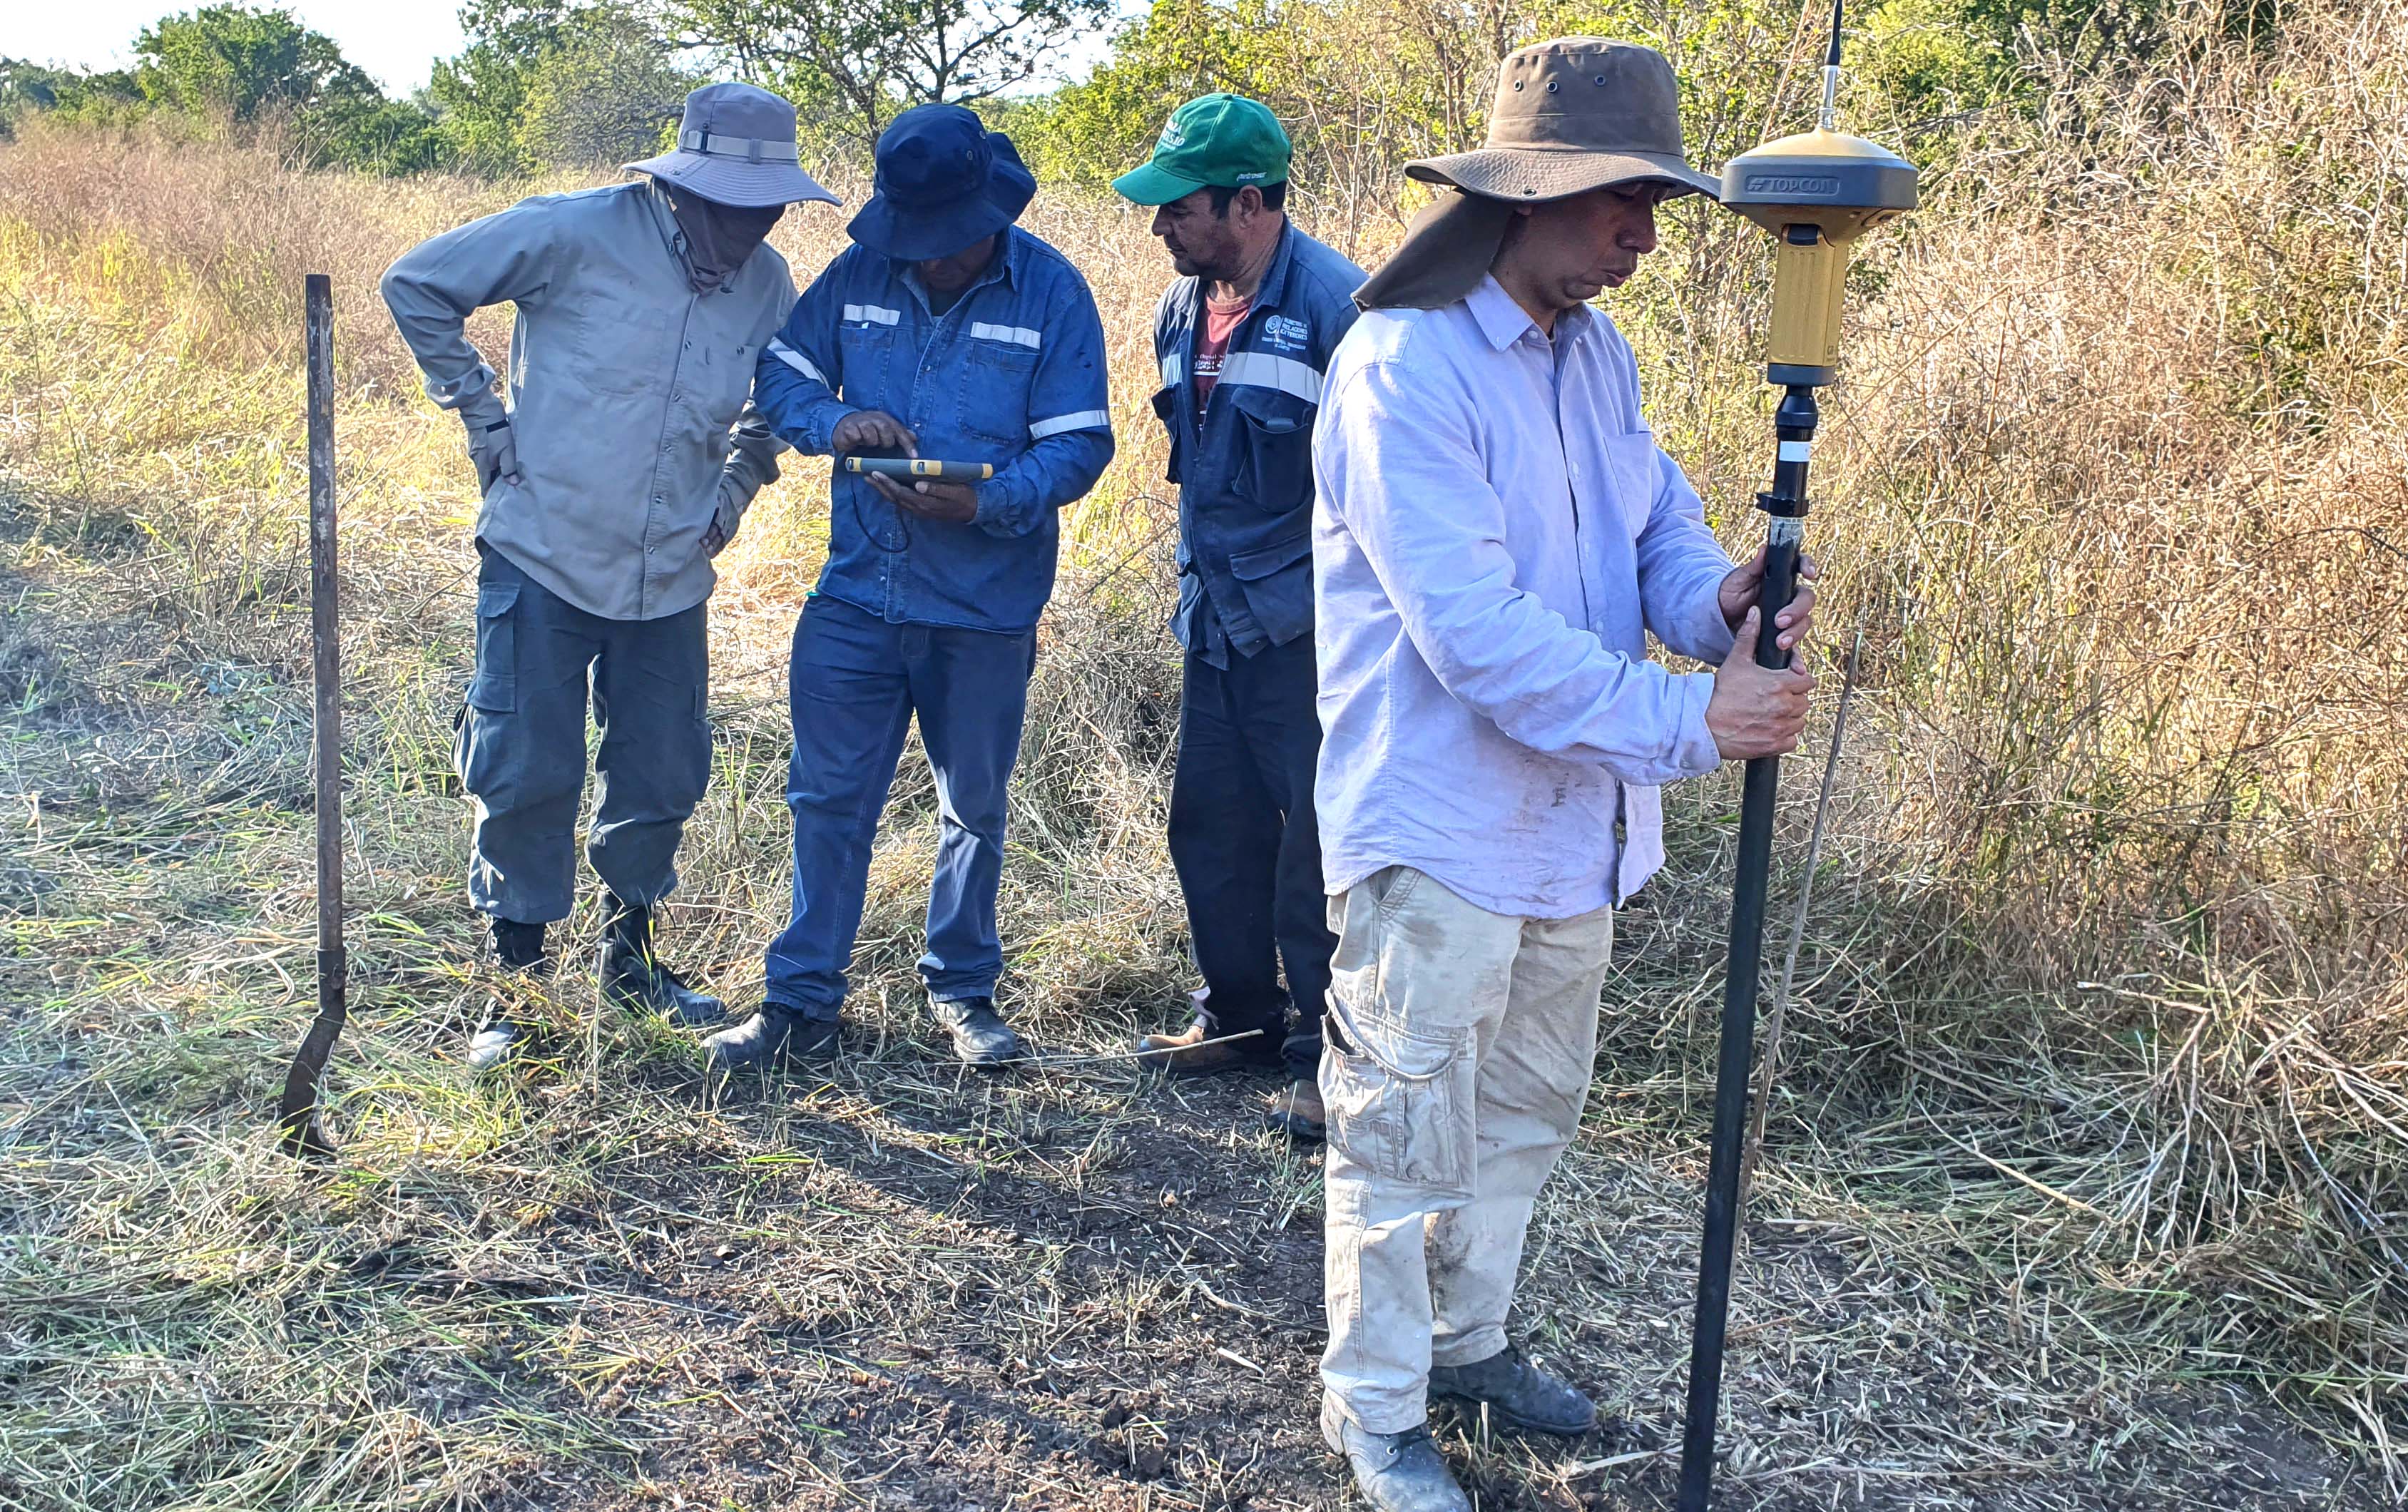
(1497, 535)
(949, 336)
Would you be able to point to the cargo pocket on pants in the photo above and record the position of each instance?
(495, 685)
(1400, 1103)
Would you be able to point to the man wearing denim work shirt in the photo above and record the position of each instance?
(622, 464)
(944, 333)
(1496, 532)
(1241, 340)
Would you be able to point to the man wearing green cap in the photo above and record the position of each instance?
(1242, 338)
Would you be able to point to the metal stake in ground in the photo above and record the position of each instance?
(1815, 192)
(304, 1135)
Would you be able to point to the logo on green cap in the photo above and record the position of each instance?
(1220, 141)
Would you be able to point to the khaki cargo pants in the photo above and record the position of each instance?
(1461, 1048)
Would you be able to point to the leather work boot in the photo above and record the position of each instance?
(1297, 1113)
(981, 1037)
(1517, 1393)
(1394, 1472)
(1200, 1050)
(524, 972)
(776, 1033)
(631, 976)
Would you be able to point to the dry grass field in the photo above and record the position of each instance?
(2085, 1186)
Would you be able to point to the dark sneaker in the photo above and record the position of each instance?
(522, 972)
(1201, 1050)
(1297, 1113)
(1394, 1472)
(1517, 1394)
(776, 1033)
(981, 1037)
(631, 976)
(492, 1044)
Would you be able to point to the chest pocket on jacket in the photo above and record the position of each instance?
(1632, 461)
(1276, 430)
(865, 350)
(603, 346)
(1002, 370)
(720, 376)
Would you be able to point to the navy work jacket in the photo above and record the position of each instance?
(1245, 473)
(1011, 374)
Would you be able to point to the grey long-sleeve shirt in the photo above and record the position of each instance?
(628, 392)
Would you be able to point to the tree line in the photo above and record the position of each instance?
(545, 84)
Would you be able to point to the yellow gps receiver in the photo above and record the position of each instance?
(1816, 191)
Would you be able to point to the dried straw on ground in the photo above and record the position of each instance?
(2084, 1188)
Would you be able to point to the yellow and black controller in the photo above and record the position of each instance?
(943, 472)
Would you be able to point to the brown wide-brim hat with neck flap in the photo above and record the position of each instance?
(1572, 115)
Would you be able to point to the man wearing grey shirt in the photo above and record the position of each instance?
(620, 464)
(1496, 532)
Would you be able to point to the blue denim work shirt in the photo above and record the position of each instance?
(1012, 374)
(1244, 463)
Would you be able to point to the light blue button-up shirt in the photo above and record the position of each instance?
(1494, 532)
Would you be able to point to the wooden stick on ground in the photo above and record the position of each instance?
(1769, 1064)
(304, 1135)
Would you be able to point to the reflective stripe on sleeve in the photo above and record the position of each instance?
(1171, 366)
(874, 314)
(1084, 420)
(797, 360)
(1018, 335)
(1263, 370)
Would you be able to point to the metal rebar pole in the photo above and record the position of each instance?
(303, 1134)
(1785, 502)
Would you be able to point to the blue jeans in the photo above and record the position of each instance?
(856, 681)
(521, 744)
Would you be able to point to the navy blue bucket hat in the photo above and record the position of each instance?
(943, 181)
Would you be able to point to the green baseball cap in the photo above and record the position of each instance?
(1220, 141)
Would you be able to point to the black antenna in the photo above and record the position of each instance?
(1832, 59)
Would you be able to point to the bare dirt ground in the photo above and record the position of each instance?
(605, 1283)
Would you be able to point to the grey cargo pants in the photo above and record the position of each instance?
(521, 747)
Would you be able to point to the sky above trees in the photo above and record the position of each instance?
(395, 41)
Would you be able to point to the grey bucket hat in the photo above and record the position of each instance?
(735, 146)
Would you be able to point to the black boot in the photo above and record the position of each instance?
(1517, 1394)
(631, 976)
(1394, 1472)
(525, 970)
(777, 1032)
(981, 1037)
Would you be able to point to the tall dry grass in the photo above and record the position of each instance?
(2114, 933)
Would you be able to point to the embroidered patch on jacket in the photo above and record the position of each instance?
(1286, 333)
